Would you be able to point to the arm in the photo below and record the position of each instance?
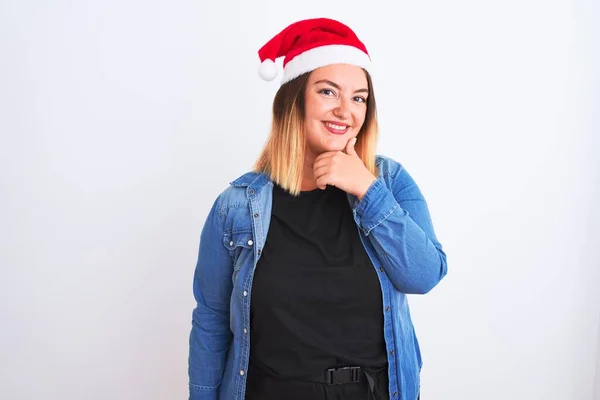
(210, 335)
(398, 224)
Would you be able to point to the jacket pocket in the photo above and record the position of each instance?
(240, 245)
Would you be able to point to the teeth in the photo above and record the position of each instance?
(334, 126)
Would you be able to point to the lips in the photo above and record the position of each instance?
(336, 128)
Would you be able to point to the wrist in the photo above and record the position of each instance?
(364, 187)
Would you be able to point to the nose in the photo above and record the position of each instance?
(342, 111)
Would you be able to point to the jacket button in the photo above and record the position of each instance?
(231, 243)
(392, 352)
(255, 215)
(251, 191)
(245, 330)
(395, 394)
(242, 372)
(387, 308)
(381, 269)
(245, 293)
(250, 242)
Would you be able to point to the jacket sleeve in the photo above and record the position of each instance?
(397, 222)
(210, 335)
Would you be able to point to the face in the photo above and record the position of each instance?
(335, 107)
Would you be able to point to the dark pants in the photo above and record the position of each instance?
(261, 386)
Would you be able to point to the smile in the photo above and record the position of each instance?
(337, 129)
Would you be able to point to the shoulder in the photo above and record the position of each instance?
(236, 194)
(396, 178)
(387, 166)
(390, 169)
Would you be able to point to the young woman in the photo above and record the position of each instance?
(305, 262)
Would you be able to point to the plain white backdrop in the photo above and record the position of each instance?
(121, 121)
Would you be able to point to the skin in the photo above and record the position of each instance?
(335, 94)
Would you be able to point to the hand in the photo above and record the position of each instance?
(344, 170)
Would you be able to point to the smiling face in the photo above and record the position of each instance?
(335, 107)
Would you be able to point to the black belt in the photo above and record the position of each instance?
(340, 376)
(346, 375)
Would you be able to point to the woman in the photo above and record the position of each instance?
(305, 262)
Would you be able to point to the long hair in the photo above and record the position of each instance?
(282, 157)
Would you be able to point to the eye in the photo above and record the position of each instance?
(327, 92)
(360, 99)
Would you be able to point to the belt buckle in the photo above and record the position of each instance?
(335, 376)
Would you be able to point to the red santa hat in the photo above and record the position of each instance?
(309, 44)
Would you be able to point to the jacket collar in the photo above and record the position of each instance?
(252, 181)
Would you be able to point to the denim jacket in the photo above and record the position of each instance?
(396, 230)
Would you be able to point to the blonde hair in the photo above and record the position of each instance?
(282, 157)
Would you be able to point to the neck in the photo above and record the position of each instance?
(308, 178)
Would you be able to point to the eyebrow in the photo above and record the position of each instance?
(335, 85)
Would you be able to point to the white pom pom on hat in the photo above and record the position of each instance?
(309, 44)
(267, 70)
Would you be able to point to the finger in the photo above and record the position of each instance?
(327, 162)
(325, 156)
(322, 163)
(322, 181)
(321, 170)
(329, 157)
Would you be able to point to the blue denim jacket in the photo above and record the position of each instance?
(397, 233)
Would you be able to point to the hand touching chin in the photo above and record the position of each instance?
(344, 170)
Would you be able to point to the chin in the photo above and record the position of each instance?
(326, 141)
(331, 146)
(338, 142)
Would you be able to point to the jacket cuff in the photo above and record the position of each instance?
(376, 205)
(198, 392)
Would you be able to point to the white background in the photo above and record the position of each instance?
(121, 121)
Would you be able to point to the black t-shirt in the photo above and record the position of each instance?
(316, 298)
